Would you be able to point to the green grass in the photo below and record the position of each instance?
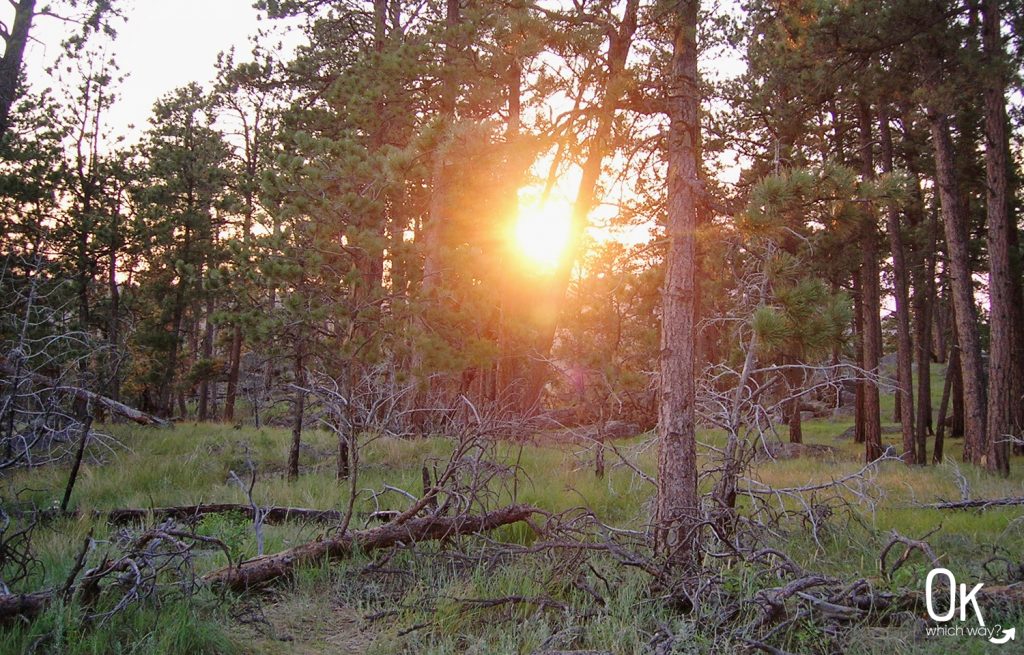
(325, 609)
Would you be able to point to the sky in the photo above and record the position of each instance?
(162, 45)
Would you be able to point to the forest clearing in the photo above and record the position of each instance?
(545, 327)
(490, 594)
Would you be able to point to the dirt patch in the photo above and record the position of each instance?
(302, 624)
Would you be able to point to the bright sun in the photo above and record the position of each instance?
(542, 232)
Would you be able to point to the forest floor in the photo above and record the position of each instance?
(413, 600)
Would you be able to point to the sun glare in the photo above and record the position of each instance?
(542, 232)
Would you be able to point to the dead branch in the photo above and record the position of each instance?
(982, 503)
(910, 545)
(23, 606)
(262, 570)
(135, 574)
(86, 396)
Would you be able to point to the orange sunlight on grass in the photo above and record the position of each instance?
(541, 233)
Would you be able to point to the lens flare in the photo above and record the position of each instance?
(542, 233)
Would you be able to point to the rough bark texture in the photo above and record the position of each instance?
(236, 361)
(923, 301)
(904, 346)
(678, 504)
(859, 387)
(1000, 279)
(14, 52)
(263, 570)
(871, 302)
(940, 430)
(958, 263)
(15, 607)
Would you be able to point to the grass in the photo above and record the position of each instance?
(325, 609)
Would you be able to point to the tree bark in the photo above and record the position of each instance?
(678, 505)
(859, 387)
(298, 411)
(965, 312)
(10, 64)
(871, 302)
(794, 381)
(83, 439)
(999, 426)
(263, 570)
(904, 348)
(205, 386)
(231, 394)
(923, 301)
(952, 370)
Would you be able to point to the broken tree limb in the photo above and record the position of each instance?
(27, 606)
(85, 395)
(978, 504)
(262, 570)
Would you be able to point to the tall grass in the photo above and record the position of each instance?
(323, 610)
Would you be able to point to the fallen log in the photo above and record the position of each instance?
(26, 606)
(262, 570)
(981, 503)
(85, 395)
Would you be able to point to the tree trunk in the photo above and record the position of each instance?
(113, 324)
(204, 386)
(10, 64)
(952, 370)
(956, 419)
(923, 298)
(83, 440)
(344, 468)
(904, 349)
(619, 43)
(965, 313)
(678, 505)
(924, 294)
(794, 383)
(858, 328)
(433, 231)
(871, 302)
(1000, 279)
(940, 331)
(236, 362)
(298, 410)
(1018, 339)
(796, 431)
